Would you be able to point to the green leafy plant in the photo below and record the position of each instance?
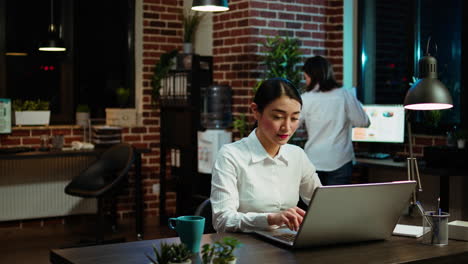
(281, 58)
(82, 108)
(191, 20)
(170, 253)
(123, 94)
(220, 252)
(240, 123)
(161, 70)
(432, 117)
(30, 105)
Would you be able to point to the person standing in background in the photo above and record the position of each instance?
(329, 113)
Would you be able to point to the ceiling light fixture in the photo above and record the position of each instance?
(210, 5)
(53, 41)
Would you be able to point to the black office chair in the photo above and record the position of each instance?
(103, 179)
(204, 209)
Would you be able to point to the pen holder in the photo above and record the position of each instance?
(435, 228)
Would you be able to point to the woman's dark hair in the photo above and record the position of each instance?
(273, 89)
(320, 71)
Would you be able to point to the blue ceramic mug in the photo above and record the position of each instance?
(190, 230)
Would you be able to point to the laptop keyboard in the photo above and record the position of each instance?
(288, 237)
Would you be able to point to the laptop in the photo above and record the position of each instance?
(348, 213)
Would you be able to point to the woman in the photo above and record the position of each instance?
(256, 181)
(329, 113)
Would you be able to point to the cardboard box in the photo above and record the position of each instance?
(122, 117)
(458, 230)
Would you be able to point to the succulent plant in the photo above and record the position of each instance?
(170, 253)
(220, 252)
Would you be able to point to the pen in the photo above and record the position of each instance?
(423, 214)
(439, 211)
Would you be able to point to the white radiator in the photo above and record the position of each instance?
(34, 187)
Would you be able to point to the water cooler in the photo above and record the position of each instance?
(209, 142)
(216, 117)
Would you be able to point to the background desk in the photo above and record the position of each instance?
(32, 185)
(255, 250)
(432, 187)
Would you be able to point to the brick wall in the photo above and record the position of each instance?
(237, 35)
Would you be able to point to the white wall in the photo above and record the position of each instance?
(204, 36)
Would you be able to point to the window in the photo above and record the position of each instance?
(99, 57)
(392, 37)
(386, 50)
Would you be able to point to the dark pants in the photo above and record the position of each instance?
(341, 175)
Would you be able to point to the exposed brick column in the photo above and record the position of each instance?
(237, 35)
(162, 32)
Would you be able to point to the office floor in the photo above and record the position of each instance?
(31, 244)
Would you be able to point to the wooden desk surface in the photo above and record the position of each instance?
(256, 250)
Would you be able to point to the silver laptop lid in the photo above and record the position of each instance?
(353, 213)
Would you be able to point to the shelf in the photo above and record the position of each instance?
(180, 122)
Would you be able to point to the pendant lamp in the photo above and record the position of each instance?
(428, 93)
(53, 41)
(210, 5)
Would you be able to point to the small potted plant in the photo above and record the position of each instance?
(171, 254)
(191, 20)
(122, 115)
(221, 252)
(31, 112)
(240, 123)
(461, 135)
(82, 115)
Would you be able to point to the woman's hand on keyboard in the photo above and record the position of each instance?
(291, 217)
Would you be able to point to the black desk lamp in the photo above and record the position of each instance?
(427, 93)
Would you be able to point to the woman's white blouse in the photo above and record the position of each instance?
(247, 184)
(329, 118)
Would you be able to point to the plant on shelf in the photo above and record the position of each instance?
(161, 70)
(82, 115)
(31, 112)
(122, 94)
(82, 108)
(461, 136)
(30, 105)
(171, 253)
(220, 252)
(190, 20)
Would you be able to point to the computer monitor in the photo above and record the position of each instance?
(387, 124)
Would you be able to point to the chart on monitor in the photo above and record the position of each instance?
(387, 124)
